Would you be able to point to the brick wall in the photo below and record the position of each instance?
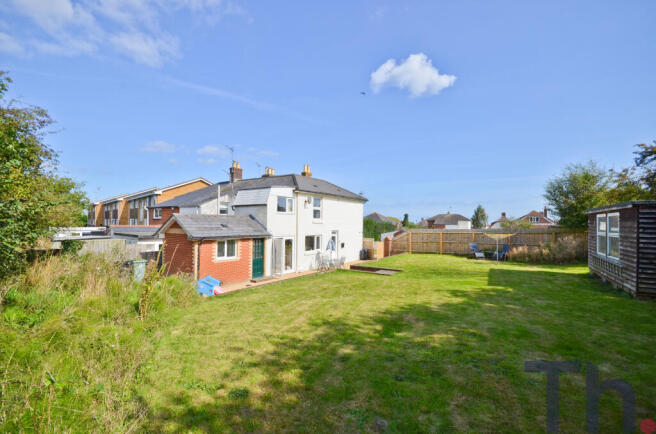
(227, 271)
(178, 251)
(179, 191)
(166, 213)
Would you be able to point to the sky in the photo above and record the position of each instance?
(423, 107)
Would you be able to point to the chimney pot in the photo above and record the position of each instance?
(503, 215)
(545, 212)
(235, 171)
(268, 171)
(306, 171)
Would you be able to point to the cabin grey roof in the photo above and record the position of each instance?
(134, 231)
(622, 205)
(194, 198)
(447, 219)
(214, 227)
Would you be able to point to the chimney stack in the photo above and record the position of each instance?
(306, 171)
(268, 171)
(235, 171)
(503, 215)
(545, 212)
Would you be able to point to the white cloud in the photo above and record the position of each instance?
(214, 151)
(130, 27)
(147, 49)
(9, 44)
(206, 160)
(415, 74)
(158, 147)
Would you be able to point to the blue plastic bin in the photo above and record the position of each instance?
(206, 285)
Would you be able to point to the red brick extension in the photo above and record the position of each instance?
(166, 213)
(178, 254)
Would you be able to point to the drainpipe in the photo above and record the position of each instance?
(296, 238)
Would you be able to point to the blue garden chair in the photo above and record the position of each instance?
(503, 254)
(473, 248)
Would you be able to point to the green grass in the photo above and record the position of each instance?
(439, 347)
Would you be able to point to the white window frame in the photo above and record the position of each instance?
(289, 204)
(317, 208)
(157, 213)
(534, 219)
(223, 207)
(225, 256)
(612, 234)
(316, 243)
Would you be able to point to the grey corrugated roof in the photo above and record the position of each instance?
(447, 219)
(195, 198)
(214, 227)
(622, 205)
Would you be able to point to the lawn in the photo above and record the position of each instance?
(439, 347)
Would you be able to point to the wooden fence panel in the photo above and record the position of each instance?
(456, 242)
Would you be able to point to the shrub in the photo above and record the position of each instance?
(72, 343)
(566, 250)
(72, 247)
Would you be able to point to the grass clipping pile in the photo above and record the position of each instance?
(74, 333)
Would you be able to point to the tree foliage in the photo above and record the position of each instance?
(513, 224)
(373, 229)
(32, 197)
(479, 219)
(406, 220)
(578, 188)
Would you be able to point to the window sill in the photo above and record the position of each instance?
(610, 259)
(230, 259)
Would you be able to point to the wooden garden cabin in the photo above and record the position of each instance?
(622, 246)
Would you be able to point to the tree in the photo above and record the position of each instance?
(32, 197)
(373, 229)
(479, 219)
(406, 220)
(514, 224)
(645, 163)
(578, 188)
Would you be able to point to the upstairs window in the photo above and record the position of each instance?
(285, 204)
(157, 213)
(316, 208)
(534, 219)
(226, 249)
(608, 235)
(223, 207)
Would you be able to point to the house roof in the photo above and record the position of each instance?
(448, 219)
(215, 227)
(134, 231)
(300, 183)
(534, 213)
(378, 217)
(194, 198)
(622, 205)
(151, 190)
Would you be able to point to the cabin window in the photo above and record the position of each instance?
(285, 204)
(312, 242)
(316, 208)
(534, 219)
(608, 235)
(226, 249)
(157, 213)
(613, 227)
(223, 207)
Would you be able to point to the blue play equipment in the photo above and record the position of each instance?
(206, 285)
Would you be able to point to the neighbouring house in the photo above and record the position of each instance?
(448, 221)
(304, 216)
(423, 223)
(379, 218)
(535, 218)
(132, 209)
(622, 246)
(227, 247)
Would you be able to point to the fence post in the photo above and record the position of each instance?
(441, 233)
(409, 242)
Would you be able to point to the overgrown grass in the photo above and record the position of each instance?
(438, 348)
(567, 250)
(72, 344)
